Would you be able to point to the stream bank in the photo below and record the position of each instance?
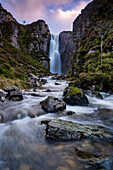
(25, 146)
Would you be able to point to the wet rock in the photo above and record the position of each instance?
(66, 130)
(98, 95)
(44, 80)
(11, 88)
(93, 94)
(48, 90)
(35, 94)
(67, 113)
(52, 104)
(56, 83)
(74, 96)
(13, 93)
(45, 121)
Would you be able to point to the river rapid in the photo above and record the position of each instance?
(23, 145)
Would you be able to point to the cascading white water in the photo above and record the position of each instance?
(54, 55)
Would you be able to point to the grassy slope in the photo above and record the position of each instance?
(16, 64)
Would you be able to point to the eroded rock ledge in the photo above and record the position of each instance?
(66, 130)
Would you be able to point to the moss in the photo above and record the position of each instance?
(22, 37)
(73, 91)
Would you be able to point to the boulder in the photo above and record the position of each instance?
(13, 93)
(11, 88)
(66, 130)
(74, 96)
(52, 104)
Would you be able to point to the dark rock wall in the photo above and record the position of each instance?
(67, 49)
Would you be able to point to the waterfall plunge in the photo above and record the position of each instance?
(54, 55)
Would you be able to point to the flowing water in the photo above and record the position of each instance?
(54, 55)
(22, 139)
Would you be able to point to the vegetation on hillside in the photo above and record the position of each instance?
(16, 63)
(94, 58)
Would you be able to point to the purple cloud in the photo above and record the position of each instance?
(57, 19)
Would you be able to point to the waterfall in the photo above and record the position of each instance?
(54, 55)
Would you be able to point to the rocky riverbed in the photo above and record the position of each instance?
(60, 137)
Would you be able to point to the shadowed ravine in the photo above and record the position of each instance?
(23, 145)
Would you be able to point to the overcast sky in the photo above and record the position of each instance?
(58, 14)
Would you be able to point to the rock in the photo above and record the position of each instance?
(48, 90)
(74, 96)
(52, 104)
(93, 94)
(66, 130)
(46, 121)
(13, 93)
(66, 113)
(56, 83)
(44, 80)
(11, 88)
(67, 49)
(97, 95)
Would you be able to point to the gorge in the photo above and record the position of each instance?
(56, 93)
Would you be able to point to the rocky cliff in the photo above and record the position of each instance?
(67, 49)
(23, 48)
(93, 35)
(91, 56)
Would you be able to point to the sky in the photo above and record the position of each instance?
(58, 14)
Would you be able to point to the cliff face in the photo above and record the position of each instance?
(23, 48)
(67, 50)
(93, 37)
(88, 30)
(36, 37)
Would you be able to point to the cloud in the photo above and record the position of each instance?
(64, 19)
(31, 9)
(52, 11)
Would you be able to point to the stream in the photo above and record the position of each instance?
(23, 145)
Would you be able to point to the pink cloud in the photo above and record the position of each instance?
(31, 10)
(57, 19)
(64, 19)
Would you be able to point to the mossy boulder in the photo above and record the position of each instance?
(52, 104)
(74, 96)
